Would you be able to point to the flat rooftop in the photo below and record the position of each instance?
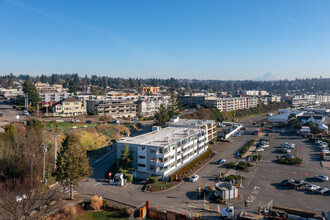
(161, 138)
(189, 122)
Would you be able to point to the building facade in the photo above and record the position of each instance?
(163, 152)
(112, 108)
(69, 107)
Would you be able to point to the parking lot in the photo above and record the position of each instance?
(264, 183)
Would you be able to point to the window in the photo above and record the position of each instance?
(76, 108)
(153, 159)
(141, 165)
(142, 157)
(179, 160)
(160, 151)
(159, 160)
(152, 151)
(142, 148)
(152, 167)
(76, 103)
(172, 157)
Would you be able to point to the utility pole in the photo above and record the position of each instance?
(31, 169)
(55, 135)
(118, 122)
(44, 151)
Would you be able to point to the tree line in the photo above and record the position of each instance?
(80, 83)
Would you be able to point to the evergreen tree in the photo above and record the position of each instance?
(125, 162)
(30, 89)
(162, 116)
(73, 88)
(72, 163)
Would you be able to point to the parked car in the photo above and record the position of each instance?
(287, 155)
(288, 145)
(283, 130)
(322, 190)
(286, 150)
(298, 184)
(1, 114)
(259, 149)
(312, 187)
(321, 142)
(194, 178)
(264, 142)
(221, 161)
(325, 151)
(26, 112)
(322, 177)
(264, 145)
(89, 121)
(58, 120)
(287, 181)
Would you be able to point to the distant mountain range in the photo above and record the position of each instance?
(269, 77)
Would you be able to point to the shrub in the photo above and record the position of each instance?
(66, 210)
(73, 210)
(232, 177)
(153, 179)
(243, 166)
(231, 165)
(190, 165)
(213, 141)
(129, 177)
(246, 147)
(208, 188)
(96, 202)
(290, 161)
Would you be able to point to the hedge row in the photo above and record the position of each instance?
(190, 165)
(290, 161)
(246, 147)
(231, 177)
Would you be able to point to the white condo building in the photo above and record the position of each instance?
(164, 151)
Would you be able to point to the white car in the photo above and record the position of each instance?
(312, 187)
(288, 145)
(194, 178)
(325, 151)
(322, 190)
(264, 145)
(264, 142)
(286, 150)
(221, 161)
(321, 177)
(259, 149)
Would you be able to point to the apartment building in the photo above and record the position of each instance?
(274, 98)
(223, 104)
(112, 108)
(69, 107)
(149, 90)
(149, 107)
(45, 87)
(164, 151)
(209, 126)
(52, 97)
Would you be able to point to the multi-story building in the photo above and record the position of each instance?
(68, 107)
(148, 107)
(162, 152)
(149, 90)
(45, 87)
(223, 104)
(112, 108)
(52, 97)
(274, 98)
(209, 126)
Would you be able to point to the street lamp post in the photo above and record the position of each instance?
(44, 151)
(56, 135)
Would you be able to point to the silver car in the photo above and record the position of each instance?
(322, 177)
(322, 190)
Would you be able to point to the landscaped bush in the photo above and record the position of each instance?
(243, 166)
(259, 157)
(246, 147)
(214, 141)
(129, 177)
(190, 165)
(96, 202)
(231, 177)
(153, 179)
(290, 161)
(230, 165)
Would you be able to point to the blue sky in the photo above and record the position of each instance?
(220, 39)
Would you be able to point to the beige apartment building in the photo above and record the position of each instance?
(69, 107)
(112, 108)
